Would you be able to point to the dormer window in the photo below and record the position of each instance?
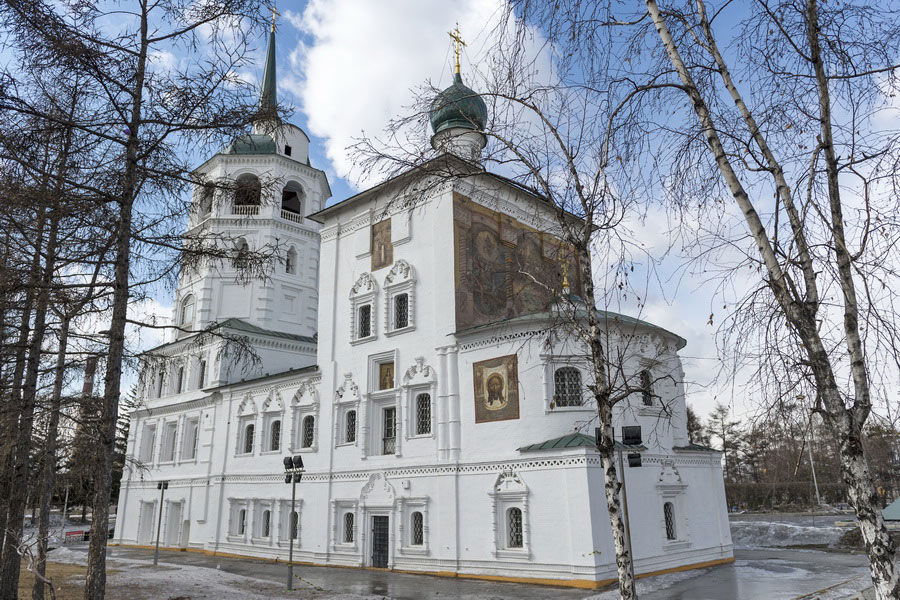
(287, 150)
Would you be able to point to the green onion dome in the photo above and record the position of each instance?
(458, 106)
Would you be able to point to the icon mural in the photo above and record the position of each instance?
(382, 247)
(496, 384)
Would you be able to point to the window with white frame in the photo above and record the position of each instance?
(362, 304)
(389, 430)
(349, 528)
(669, 519)
(290, 261)
(249, 436)
(399, 288)
(191, 439)
(275, 435)
(289, 521)
(246, 426)
(201, 374)
(170, 432)
(350, 427)
(265, 529)
(646, 388)
(308, 431)
(148, 442)
(514, 527)
(418, 529)
(186, 319)
(161, 383)
(237, 526)
(567, 390)
(413, 525)
(423, 414)
(179, 380)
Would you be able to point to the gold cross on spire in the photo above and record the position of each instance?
(458, 41)
(274, 14)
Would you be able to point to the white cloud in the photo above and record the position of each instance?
(363, 59)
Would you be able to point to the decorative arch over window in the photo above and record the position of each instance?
(241, 254)
(363, 326)
(247, 191)
(419, 385)
(346, 422)
(399, 298)
(273, 413)
(247, 413)
(509, 498)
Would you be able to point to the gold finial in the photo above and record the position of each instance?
(458, 41)
(274, 14)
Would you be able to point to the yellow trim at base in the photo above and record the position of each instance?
(587, 584)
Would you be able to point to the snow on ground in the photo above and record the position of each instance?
(140, 580)
(746, 535)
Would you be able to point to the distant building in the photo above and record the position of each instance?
(408, 350)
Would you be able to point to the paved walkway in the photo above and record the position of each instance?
(399, 586)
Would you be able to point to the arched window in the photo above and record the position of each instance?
(567, 386)
(247, 190)
(401, 311)
(207, 193)
(295, 522)
(242, 521)
(646, 388)
(669, 516)
(201, 375)
(241, 254)
(418, 529)
(187, 312)
(308, 431)
(161, 384)
(350, 433)
(275, 436)
(514, 527)
(292, 198)
(423, 414)
(348, 528)
(290, 261)
(248, 438)
(266, 522)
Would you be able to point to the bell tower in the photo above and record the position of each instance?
(260, 190)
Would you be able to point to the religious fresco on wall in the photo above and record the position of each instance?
(382, 247)
(496, 383)
(386, 376)
(504, 268)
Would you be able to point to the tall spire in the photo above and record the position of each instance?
(268, 100)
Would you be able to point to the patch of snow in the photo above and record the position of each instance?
(746, 535)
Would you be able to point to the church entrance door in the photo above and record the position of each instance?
(380, 541)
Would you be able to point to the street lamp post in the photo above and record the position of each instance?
(162, 486)
(293, 471)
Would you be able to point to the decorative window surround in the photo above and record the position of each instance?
(510, 491)
(258, 535)
(346, 399)
(671, 489)
(364, 292)
(400, 280)
(235, 506)
(551, 364)
(284, 523)
(246, 415)
(378, 400)
(338, 509)
(408, 506)
(418, 379)
(304, 404)
(272, 410)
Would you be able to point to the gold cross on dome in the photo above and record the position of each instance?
(458, 41)
(274, 14)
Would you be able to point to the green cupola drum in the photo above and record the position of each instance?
(458, 116)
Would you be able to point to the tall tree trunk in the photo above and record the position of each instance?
(95, 583)
(48, 474)
(18, 444)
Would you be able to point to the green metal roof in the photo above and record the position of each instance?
(252, 143)
(458, 106)
(575, 440)
(240, 325)
(268, 100)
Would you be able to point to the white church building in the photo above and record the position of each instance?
(443, 419)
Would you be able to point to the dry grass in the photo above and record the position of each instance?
(68, 580)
